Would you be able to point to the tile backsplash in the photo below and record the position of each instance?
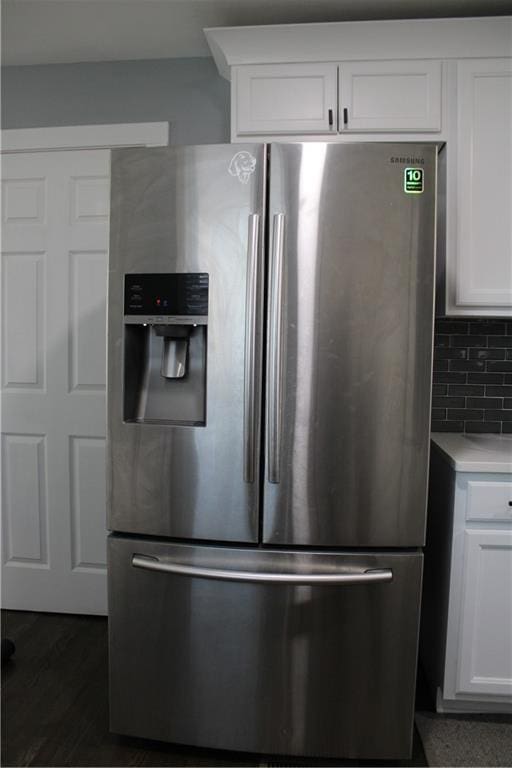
(472, 389)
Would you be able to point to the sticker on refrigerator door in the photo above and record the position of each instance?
(413, 180)
(242, 165)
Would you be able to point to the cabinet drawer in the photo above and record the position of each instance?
(489, 501)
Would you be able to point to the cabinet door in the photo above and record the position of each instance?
(485, 639)
(481, 278)
(396, 96)
(284, 99)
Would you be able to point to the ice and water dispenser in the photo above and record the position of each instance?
(165, 338)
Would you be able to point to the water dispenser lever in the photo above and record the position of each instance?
(175, 350)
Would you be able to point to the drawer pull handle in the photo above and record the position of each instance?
(361, 575)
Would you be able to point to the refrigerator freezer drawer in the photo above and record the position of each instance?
(266, 651)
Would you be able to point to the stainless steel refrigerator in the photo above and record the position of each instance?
(270, 343)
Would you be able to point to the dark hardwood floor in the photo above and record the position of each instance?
(55, 704)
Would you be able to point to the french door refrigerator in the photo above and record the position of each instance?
(270, 342)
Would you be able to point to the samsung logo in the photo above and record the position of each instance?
(415, 160)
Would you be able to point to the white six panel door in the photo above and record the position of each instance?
(55, 217)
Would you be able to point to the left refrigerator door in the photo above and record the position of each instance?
(185, 317)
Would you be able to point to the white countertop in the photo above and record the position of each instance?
(476, 453)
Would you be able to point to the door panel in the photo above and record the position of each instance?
(350, 345)
(485, 629)
(191, 210)
(396, 96)
(483, 285)
(267, 667)
(284, 98)
(54, 273)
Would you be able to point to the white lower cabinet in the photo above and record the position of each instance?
(466, 625)
(485, 626)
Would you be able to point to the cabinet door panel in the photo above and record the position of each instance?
(285, 98)
(397, 96)
(485, 639)
(483, 270)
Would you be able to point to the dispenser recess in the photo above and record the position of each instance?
(165, 348)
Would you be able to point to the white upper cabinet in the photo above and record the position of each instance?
(396, 96)
(479, 279)
(304, 99)
(284, 99)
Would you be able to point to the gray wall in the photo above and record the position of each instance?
(188, 93)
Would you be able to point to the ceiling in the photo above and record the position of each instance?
(63, 31)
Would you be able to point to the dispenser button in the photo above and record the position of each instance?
(135, 287)
(136, 297)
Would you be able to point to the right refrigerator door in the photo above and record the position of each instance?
(350, 321)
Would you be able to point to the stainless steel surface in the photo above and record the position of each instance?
(268, 667)
(358, 285)
(353, 576)
(253, 298)
(185, 209)
(284, 651)
(275, 350)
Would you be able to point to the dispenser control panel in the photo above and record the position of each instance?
(177, 294)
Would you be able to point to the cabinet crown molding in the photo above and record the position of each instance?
(452, 38)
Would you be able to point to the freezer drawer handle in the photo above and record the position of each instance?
(359, 576)
(275, 368)
(251, 319)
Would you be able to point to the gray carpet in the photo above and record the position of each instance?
(466, 740)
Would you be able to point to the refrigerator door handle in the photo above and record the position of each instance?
(352, 576)
(275, 351)
(251, 319)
